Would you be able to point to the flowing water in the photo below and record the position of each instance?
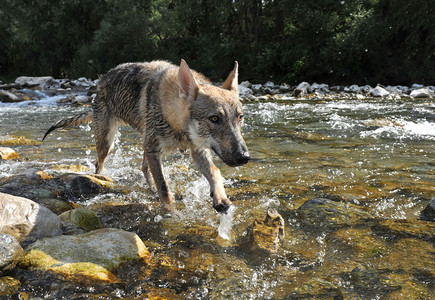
(374, 153)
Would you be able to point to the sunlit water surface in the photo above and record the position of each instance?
(375, 153)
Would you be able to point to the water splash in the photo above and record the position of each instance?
(226, 223)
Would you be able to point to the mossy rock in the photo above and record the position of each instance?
(81, 217)
(88, 257)
(8, 286)
(17, 141)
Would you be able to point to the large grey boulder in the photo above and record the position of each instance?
(26, 220)
(43, 81)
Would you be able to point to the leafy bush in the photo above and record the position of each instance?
(332, 41)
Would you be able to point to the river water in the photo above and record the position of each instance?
(376, 154)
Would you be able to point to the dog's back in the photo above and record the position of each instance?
(120, 90)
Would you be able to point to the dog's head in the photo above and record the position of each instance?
(216, 116)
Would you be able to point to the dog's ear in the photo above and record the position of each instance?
(232, 81)
(188, 87)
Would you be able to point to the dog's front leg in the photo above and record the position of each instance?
(165, 195)
(211, 172)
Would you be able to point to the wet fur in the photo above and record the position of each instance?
(172, 107)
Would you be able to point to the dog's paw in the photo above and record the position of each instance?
(222, 207)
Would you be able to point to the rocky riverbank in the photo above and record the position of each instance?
(83, 90)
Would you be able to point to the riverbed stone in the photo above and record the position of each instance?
(42, 81)
(8, 97)
(8, 154)
(353, 89)
(267, 235)
(301, 89)
(92, 256)
(55, 205)
(10, 140)
(316, 288)
(83, 186)
(9, 286)
(244, 91)
(364, 243)
(10, 253)
(26, 220)
(379, 92)
(428, 214)
(80, 99)
(421, 93)
(81, 217)
(395, 229)
(327, 214)
(318, 87)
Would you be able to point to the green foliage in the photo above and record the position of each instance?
(332, 41)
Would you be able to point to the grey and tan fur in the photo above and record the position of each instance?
(173, 108)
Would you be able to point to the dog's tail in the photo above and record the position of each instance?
(76, 120)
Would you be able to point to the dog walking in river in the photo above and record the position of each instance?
(172, 107)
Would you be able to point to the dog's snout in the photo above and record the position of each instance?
(242, 157)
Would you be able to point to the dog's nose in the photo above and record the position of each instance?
(242, 157)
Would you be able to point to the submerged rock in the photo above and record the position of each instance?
(10, 253)
(8, 154)
(26, 220)
(316, 288)
(81, 217)
(17, 140)
(428, 214)
(267, 235)
(92, 256)
(328, 214)
(9, 286)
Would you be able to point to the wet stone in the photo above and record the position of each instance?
(10, 253)
(26, 220)
(9, 286)
(55, 205)
(396, 229)
(8, 154)
(84, 186)
(267, 235)
(328, 215)
(92, 256)
(17, 141)
(428, 214)
(81, 217)
(368, 282)
(362, 240)
(316, 288)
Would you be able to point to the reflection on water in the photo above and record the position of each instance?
(378, 154)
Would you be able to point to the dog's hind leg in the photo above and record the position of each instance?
(105, 130)
(148, 176)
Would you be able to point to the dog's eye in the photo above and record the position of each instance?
(241, 116)
(214, 119)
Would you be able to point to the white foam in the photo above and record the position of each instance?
(226, 223)
(423, 128)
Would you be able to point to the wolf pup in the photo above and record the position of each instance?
(172, 108)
